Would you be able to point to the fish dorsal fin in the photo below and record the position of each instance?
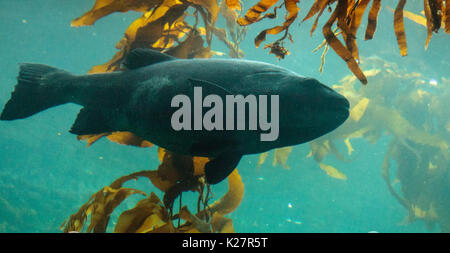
(141, 57)
(210, 87)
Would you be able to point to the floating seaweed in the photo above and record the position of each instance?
(347, 16)
(151, 215)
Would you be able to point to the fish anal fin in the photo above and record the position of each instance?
(91, 121)
(217, 169)
(141, 57)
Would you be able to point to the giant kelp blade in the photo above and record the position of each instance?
(91, 139)
(399, 28)
(148, 215)
(436, 14)
(221, 224)
(414, 17)
(319, 149)
(280, 156)
(128, 138)
(232, 199)
(359, 109)
(355, 18)
(144, 32)
(318, 6)
(191, 47)
(103, 8)
(292, 8)
(338, 47)
(124, 138)
(262, 158)
(253, 14)
(332, 171)
(314, 26)
(233, 4)
(211, 6)
(429, 22)
(372, 19)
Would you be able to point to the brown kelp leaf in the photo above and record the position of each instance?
(99, 207)
(172, 34)
(221, 224)
(167, 174)
(337, 46)
(414, 17)
(436, 14)
(198, 162)
(233, 4)
(199, 225)
(125, 138)
(332, 171)
(349, 146)
(211, 6)
(280, 157)
(144, 32)
(319, 149)
(318, 6)
(292, 8)
(402, 129)
(372, 19)
(262, 158)
(399, 28)
(199, 165)
(355, 21)
(161, 153)
(232, 199)
(429, 22)
(255, 11)
(359, 109)
(231, 17)
(191, 47)
(148, 214)
(91, 139)
(128, 138)
(103, 8)
(322, 5)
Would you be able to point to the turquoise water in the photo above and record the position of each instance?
(46, 174)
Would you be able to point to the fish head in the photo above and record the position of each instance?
(309, 109)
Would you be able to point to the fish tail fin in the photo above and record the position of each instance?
(38, 88)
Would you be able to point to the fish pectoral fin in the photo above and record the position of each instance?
(209, 87)
(91, 121)
(220, 167)
(141, 57)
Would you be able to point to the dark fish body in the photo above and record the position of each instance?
(139, 101)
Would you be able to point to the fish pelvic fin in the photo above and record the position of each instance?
(38, 88)
(220, 167)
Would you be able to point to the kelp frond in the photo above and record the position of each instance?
(346, 17)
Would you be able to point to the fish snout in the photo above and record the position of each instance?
(338, 106)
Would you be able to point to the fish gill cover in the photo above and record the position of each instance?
(164, 26)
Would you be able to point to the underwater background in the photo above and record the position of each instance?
(46, 174)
